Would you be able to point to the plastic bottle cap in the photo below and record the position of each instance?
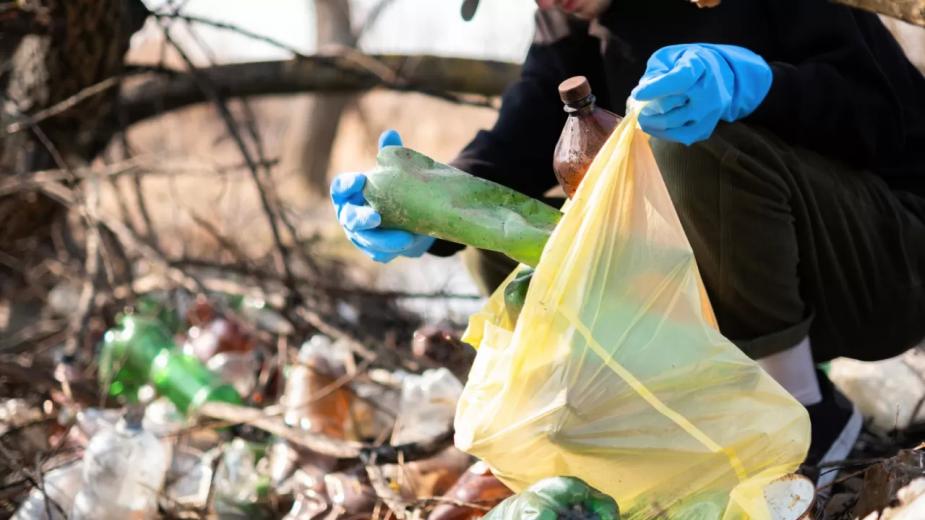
(574, 89)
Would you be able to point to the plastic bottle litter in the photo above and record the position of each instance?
(165, 422)
(189, 478)
(140, 351)
(123, 472)
(92, 421)
(61, 484)
(256, 311)
(236, 480)
(310, 496)
(215, 337)
(238, 369)
(350, 494)
(476, 486)
(310, 401)
(374, 408)
(428, 404)
(889, 392)
(585, 132)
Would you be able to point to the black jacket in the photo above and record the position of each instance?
(842, 85)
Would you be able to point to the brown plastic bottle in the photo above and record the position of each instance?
(586, 130)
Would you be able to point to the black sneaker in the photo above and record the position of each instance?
(836, 424)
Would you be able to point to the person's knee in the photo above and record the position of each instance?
(736, 159)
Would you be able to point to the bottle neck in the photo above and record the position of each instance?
(582, 107)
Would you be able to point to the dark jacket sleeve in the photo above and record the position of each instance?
(830, 91)
(517, 152)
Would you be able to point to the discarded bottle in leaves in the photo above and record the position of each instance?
(350, 493)
(165, 422)
(237, 482)
(428, 404)
(60, 485)
(476, 487)
(140, 351)
(586, 130)
(238, 369)
(218, 336)
(311, 400)
(124, 469)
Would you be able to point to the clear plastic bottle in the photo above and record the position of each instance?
(428, 404)
(124, 469)
(586, 130)
(61, 484)
(236, 480)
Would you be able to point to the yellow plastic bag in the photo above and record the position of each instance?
(616, 373)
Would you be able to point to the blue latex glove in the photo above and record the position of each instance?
(690, 88)
(361, 222)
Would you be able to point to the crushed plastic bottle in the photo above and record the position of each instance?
(61, 484)
(310, 400)
(189, 478)
(350, 493)
(165, 422)
(91, 421)
(428, 404)
(215, 337)
(374, 409)
(238, 369)
(258, 312)
(140, 351)
(311, 499)
(236, 480)
(123, 472)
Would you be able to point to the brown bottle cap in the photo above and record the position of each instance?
(574, 89)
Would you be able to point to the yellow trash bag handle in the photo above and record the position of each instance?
(615, 371)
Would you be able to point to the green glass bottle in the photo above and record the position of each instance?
(140, 351)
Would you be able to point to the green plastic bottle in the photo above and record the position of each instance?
(140, 351)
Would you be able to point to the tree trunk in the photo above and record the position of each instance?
(314, 127)
(84, 42)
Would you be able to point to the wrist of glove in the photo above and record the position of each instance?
(361, 222)
(688, 89)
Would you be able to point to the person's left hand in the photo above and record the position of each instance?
(689, 88)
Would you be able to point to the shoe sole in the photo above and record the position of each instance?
(840, 448)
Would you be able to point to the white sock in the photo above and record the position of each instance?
(795, 370)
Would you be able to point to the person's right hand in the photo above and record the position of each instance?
(361, 222)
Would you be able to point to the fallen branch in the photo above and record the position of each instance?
(322, 444)
(426, 74)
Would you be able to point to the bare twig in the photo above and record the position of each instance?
(392, 499)
(232, 128)
(65, 105)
